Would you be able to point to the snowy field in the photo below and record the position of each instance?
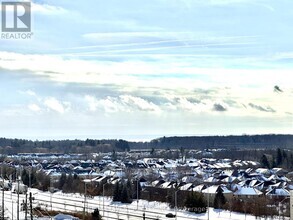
(108, 209)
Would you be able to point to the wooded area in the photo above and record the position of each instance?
(270, 141)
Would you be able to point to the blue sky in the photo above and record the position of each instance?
(142, 69)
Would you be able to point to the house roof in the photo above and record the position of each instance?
(248, 191)
(278, 192)
(199, 188)
(186, 186)
(214, 189)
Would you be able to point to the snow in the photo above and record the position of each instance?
(214, 189)
(109, 209)
(278, 192)
(186, 186)
(199, 188)
(247, 191)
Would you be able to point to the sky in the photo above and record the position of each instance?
(138, 70)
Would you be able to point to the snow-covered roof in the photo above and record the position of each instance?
(262, 170)
(278, 192)
(229, 179)
(199, 188)
(253, 183)
(214, 189)
(211, 180)
(167, 185)
(276, 169)
(188, 179)
(248, 191)
(222, 165)
(109, 173)
(186, 186)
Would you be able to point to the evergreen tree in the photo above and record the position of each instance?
(182, 153)
(117, 192)
(219, 200)
(284, 154)
(25, 177)
(195, 202)
(190, 202)
(62, 180)
(129, 188)
(114, 155)
(152, 151)
(264, 161)
(43, 181)
(68, 186)
(201, 203)
(171, 197)
(96, 214)
(33, 177)
(137, 188)
(279, 157)
(125, 197)
(273, 162)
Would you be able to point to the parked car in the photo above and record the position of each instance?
(170, 215)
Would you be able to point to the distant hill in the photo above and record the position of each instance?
(240, 141)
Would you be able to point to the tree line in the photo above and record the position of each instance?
(14, 146)
(270, 141)
(232, 141)
(278, 158)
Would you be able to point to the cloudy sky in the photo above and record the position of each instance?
(142, 69)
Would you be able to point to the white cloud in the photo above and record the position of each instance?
(123, 103)
(175, 77)
(55, 105)
(162, 73)
(47, 9)
(34, 107)
(246, 86)
(111, 105)
(140, 103)
(92, 103)
(30, 92)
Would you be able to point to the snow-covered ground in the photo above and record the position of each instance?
(108, 209)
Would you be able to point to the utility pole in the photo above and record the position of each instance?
(51, 191)
(137, 182)
(291, 204)
(10, 179)
(209, 204)
(11, 206)
(30, 181)
(117, 213)
(2, 193)
(103, 200)
(83, 217)
(25, 206)
(17, 214)
(176, 204)
(31, 206)
(85, 192)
